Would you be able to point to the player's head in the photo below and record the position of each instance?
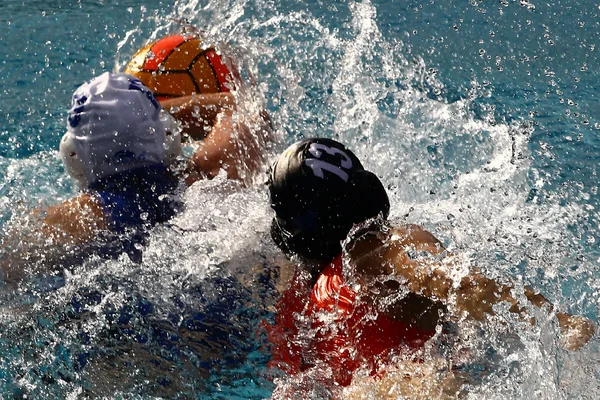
(319, 190)
(115, 125)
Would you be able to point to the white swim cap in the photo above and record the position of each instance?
(115, 125)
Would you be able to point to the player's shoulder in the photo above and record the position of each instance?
(75, 220)
(414, 239)
(385, 239)
(411, 232)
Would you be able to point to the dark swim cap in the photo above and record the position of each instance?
(319, 190)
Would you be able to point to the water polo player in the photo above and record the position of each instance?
(335, 316)
(196, 85)
(119, 148)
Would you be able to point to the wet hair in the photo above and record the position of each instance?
(319, 190)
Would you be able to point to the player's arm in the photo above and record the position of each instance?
(477, 294)
(198, 112)
(232, 146)
(74, 221)
(414, 254)
(421, 260)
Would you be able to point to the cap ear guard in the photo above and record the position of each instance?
(74, 164)
(370, 197)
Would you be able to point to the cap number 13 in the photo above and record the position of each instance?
(317, 166)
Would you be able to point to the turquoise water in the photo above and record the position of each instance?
(480, 117)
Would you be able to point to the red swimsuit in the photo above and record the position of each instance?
(340, 333)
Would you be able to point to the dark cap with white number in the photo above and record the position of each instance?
(319, 190)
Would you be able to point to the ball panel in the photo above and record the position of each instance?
(182, 57)
(136, 63)
(162, 50)
(174, 83)
(221, 71)
(168, 84)
(204, 75)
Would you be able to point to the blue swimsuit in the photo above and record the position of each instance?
(133, 202)
(140, 197)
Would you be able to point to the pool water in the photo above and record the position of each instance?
(480, 118)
